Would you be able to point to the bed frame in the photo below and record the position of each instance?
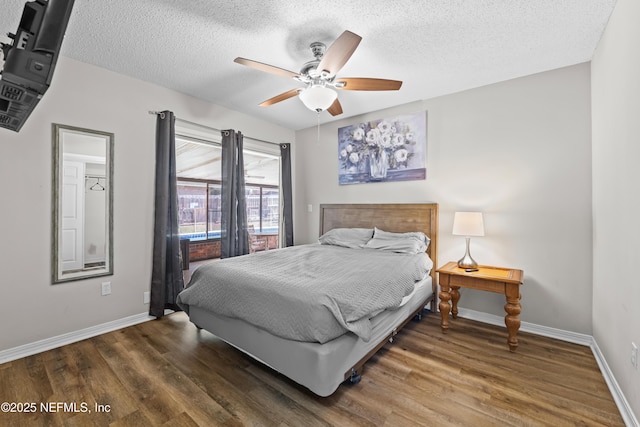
(399, 218)
(249, 339)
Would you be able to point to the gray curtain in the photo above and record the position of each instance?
(166, 277)
(287, 202)
(234, 239)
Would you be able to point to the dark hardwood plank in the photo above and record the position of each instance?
(166, 372)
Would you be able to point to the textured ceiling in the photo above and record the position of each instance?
(435, 47)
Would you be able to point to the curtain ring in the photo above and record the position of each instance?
(158, 113)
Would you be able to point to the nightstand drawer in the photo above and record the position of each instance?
(477, 283)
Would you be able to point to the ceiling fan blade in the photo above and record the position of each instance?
(286, 95)
(335, 108)
(339, 53)
(363, 83)
(266, 67)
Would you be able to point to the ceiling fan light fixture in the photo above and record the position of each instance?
(318, 97)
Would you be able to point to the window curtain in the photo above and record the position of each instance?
(234, 238)
(166, 277)
(287, 217)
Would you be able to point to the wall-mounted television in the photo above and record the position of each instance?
(30, 59)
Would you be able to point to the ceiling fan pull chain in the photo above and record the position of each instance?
(318, 113)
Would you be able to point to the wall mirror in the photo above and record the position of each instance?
(82, 203)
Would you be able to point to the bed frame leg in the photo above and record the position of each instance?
(393, 334)
(418, 316)
(355, 377)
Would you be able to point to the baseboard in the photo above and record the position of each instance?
(623, 405)
(587, 340)
(71, 337)
(544, 331)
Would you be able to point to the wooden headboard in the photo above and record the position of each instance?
(397, 217)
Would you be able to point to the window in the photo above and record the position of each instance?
(199, 188)
(263, 207)
(214, 210)
(192, 209)
(199, 209)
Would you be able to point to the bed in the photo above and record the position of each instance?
(322, 360)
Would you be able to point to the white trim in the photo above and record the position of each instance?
(71, 337)
(545, 331)
(618, 396)
(208, 133)
(587, 340)
(84, 158)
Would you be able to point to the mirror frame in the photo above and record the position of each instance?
(58, 276)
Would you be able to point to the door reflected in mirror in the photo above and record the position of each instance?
(82, 203)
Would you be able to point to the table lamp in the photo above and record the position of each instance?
(468, 224)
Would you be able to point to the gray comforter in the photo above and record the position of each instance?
(311, 293)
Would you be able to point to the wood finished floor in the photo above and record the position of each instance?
(165, 372)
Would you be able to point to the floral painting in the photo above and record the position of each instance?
(393, 149)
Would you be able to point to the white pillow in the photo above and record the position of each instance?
(347, 237)
(413, 242)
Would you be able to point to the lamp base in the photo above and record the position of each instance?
(466, 261)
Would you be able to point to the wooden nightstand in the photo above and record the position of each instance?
(506, 281)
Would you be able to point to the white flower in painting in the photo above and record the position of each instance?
(385, 140)
(391, 140)
(358, 134)
(384, 127)
(410, 137)
(373, 137)
(398, 140)
(401, 155)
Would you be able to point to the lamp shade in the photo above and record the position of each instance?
(318, 98)
(468, 224)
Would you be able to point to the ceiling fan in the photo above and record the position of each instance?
(319, 76)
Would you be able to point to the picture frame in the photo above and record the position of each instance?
(384, 150)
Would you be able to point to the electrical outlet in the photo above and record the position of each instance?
(634, 355)
(106, 288)
(146, 297)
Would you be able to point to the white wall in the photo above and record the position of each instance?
(616, 198)
(89, 97)
(519, 151)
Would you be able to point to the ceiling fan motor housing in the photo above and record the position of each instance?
(308, 70)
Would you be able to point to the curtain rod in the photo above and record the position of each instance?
(211, 128)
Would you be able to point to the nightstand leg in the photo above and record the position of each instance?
(444, 305)
(455, 297)
(512, 319)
